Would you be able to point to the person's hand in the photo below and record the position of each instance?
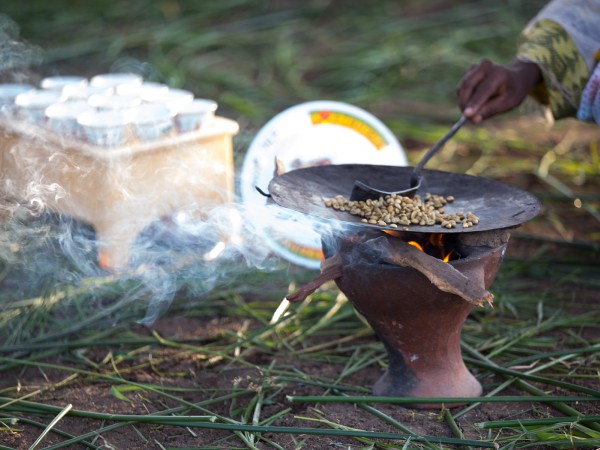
(488, 89)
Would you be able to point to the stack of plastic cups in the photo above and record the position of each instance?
(108, 109)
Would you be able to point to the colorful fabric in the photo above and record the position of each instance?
(589, 108)
(580, 19)
(564, 70)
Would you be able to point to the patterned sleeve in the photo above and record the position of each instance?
(564, 69)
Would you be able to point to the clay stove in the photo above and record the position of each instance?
(417, 313)
(416, 303)
(119, 191)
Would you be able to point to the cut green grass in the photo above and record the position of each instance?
(299, 380)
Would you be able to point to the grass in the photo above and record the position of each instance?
(78, 369)
(277, 379)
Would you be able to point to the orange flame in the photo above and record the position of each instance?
(435, 240)
(446, 257)
(416, 244)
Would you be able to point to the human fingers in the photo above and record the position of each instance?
(492, 107)
(504, 101)
(470, 81)
(491, 89)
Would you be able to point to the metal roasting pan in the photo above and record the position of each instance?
(497, 205)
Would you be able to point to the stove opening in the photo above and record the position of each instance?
(439, 245)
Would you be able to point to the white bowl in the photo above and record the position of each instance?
(62, 117)
(104, 128)
(33, 103)
(151, 121)
(195, 115)
(58, 83)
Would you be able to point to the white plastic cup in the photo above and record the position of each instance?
(84, 92)
(62, 117)
(8, 94)
(114, 102)
(104, 128)
(115, 80)
(32, 104)
(151, 121)
(173, 99)
(145, 89)
(195, 115)
(58, 83)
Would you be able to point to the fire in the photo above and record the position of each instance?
(416, 244)
(438, 241)
(446, 258)
(433, 245)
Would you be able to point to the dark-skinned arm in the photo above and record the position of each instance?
(489, 89)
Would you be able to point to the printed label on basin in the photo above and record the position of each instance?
(309, 134)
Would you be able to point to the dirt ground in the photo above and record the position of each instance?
(565, 230)
(203, 377)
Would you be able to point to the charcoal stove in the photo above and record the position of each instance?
(415, 302)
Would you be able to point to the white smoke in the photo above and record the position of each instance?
(44, 252)
(16, 56)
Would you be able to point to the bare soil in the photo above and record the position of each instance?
(203, 379)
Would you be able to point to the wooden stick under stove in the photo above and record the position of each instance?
(395, 251)
(443, 275)
(331, 268)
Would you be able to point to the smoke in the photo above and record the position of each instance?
(133, 65)
(42, 253)
(51, 254)
(35, 193)
(49, 249)
(16, 56)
